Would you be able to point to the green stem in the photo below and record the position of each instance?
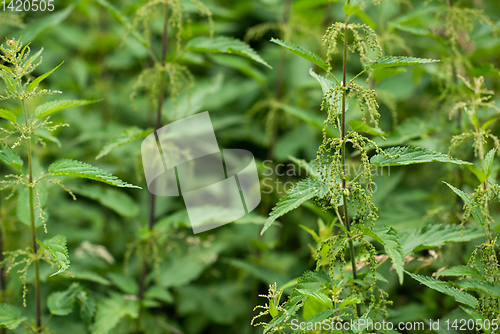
(33, 228)
(161, 96)
(343, 153)
(280, 76)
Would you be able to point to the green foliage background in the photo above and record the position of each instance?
(209, 283)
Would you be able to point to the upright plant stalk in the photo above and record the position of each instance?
(343, 153)
(280, 77)
(32, 220)
(161, 96)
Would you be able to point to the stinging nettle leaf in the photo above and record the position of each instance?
(10, 316)
(8, 115)
(458, 271)
(53, 106)
(360, 126)
(308, 55)
(39, 79)
(10, 157)
(388, 237)
(223, 44)
(68, 167)
(401, 156)
(476, 212)
(392, 61)
(301, 192)
(123, 138)
(434, 236)
(488, 162)
(443, 287)
(110, 311)
(56, 246)
(61, 302)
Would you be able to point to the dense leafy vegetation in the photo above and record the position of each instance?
(375, 129)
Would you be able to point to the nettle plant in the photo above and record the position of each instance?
(168, 76)
(343, 286)
(481, 275)
(22, 138)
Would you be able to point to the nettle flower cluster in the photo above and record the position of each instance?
(329, 158)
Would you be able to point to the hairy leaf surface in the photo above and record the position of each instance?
(388, 237)
(10, 316)
(392, 61)
(401, 156)
(68, 167)
(223, 44)
(443, 287)
(56, 246)
(302, 191)
(53, 106)
(308, 55)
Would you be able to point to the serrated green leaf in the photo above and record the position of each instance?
(459, 271)
(475, 211)
(488, 162)
(123, 138)
(302, 191)
(360, 126)
(111, 311)
(307, 284)
(68, 167)
(33, 85)
(10, 316)
(327, 86)
(9, 156)
(61, 302)
(479, 285)
(53, 106)
(392, 61)
(223, 44)
(388, 237)
(401, 156)
(443, 287)
(116, 200)
(436, 235)
(351, 300)
(56, 246)
(8, 115)
(308, 55)
(384, 73)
